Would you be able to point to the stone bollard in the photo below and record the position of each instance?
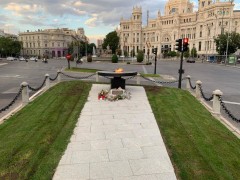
(216, 102)
(198, 93)
(59, 76)
(138, 78)
(188, 82)
(25, 93)
(97, 77)
(47, 81)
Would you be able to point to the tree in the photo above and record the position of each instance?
(112, 40)
(193, 52)
(140, 56)
(233, 43)
(10, 47)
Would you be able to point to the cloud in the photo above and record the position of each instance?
(91, 22)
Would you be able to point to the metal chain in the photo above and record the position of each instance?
(84, 77)
(204, 97)
(53, 79)
(160, 82)
(191, 84)
(13, 101)
(226, 110)
(106, 77)
(131, 77)
(40, 87)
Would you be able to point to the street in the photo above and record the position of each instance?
(213, 76)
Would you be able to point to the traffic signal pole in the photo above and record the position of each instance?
(155, 63)
(181, 46)
(180, 71)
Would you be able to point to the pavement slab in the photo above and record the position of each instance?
(117, 140)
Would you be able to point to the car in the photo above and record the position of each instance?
(22, 59)
(33, 59)
(190, 61)
(10, 58)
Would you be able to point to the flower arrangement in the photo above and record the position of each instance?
(114, 94)
(102, 95)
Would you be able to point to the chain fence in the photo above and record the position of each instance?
(40, 87)
(161, 82)
(227, 111)
(203, 95)
(13, 101)
(83, 77)
(53, 79)
(190, 83)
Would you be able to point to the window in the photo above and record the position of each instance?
(199, 46)
(52, 44)
(200, 35)
(45, 45)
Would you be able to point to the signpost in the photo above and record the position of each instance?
(68, 57)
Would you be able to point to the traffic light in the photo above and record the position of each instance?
(179, 45)
(185, 44)
(154, 51)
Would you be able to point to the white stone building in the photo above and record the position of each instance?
(49, 42)
(179, 21)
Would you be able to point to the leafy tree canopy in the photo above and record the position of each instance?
(112, 40)
(233, 42)
(9, 47)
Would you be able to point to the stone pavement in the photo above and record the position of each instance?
(116, 141)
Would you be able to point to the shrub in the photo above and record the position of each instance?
(114, 59)
(140, 56)
(172, 53)
(128, 62)
(89, 58)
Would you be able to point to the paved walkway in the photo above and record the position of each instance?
(116, 141)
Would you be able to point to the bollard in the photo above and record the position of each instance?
(138, 78)
(198, 93)
(59, 76)
(188, 82)
(216, 102)
(97, 77)
(25, 93)
(47, 81)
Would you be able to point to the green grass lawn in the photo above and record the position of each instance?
(200, 147)
(76, 69)
(33, 141)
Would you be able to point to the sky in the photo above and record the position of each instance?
(97, 17)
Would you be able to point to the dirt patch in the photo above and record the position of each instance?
(154, 89)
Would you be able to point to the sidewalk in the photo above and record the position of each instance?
(116, 141)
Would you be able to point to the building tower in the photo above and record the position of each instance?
(136, 29)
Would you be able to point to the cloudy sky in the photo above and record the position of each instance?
(97, 17)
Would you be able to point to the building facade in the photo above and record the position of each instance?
(49, 42)
(179, 21)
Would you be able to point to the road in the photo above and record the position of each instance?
(213, 76)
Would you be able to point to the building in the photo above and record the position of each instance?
(179, 21)
(49, 42)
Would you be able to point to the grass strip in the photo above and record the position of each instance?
(75, 69)
(200, 147)
(33, 140)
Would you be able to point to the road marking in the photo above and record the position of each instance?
(10, 76)
(229, 102)
(3, 64)
(144, 70)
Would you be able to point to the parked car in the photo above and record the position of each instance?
(33, 59)
(22, 59)
(238, 60)
(190, 60)
(10, 58)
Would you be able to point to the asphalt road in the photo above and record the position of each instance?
(213, 76)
